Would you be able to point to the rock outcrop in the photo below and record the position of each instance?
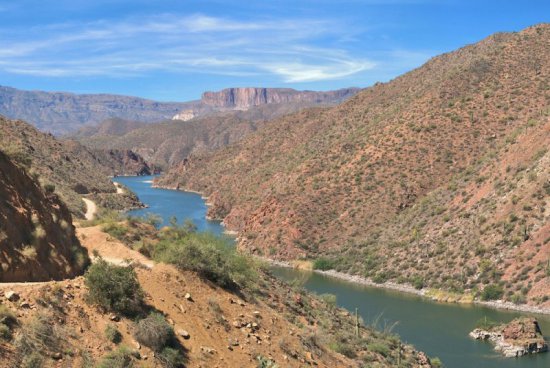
(124, 162)
(520, 337)
(37, 237)
(245, 98)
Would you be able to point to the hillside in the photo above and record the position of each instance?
(439, 178)
(66, 166)
(211, 326)
(37, 237)
(169, 143)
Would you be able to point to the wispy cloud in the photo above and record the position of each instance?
(288, 49)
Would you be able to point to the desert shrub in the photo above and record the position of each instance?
(380, 348)
(436, 362)
(39, 335)
(323, 264)
(49, 188)
(418, 282)
(113, 334)
(171, 358)
(114, 229)
(5, 332)
(208, 255)
(264, 362)
(33, 360)
(154, 332)
(492, 292)
(330, 299)
(120, 358)
(114, 288)
(7, 317)
(486, 324)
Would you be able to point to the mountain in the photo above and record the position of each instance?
(63, 113)
(245, 98)
(71, 168)
(37, 237)
(170, 142)
(60, 112)
(439, 178)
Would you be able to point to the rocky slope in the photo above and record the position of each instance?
(245, 98)
(447, 166)
(169, 143)
(66, 166)
(124, 163)
(213, 326)
(37, 237)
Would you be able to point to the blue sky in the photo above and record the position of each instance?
(174, 50)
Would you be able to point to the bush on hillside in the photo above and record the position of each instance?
(492, 292)
(120, 358)
(210, 256)
(323, 264)
(113, 334)
(114, 288)
(154, 332)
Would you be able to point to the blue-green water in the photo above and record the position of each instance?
(438, 329)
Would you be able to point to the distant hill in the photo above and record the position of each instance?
(73, 169)
(439, 178)
(62, 113)
(170, 142)
(37, 237)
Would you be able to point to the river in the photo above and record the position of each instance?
(439, 329)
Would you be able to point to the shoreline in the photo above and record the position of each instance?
(493, 304)
(388, 285)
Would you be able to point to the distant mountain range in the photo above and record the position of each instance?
(62, 113)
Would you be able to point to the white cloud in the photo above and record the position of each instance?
(287, 49)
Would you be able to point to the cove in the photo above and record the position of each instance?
(438, 329)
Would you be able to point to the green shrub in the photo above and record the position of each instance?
(436, 362)
(114, 229)
(171, 358)
(5, 332)
(113, 334)
(418, 282)
(492, 292)
(486, 324)
(154, 332)
(114, 288)
(323, 264)
(120, 358)
(210, 256)
(380, 348)
(49, 188)
(330, 299)
(264, 362)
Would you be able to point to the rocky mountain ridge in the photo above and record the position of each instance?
(247, 97)
(63, 113)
